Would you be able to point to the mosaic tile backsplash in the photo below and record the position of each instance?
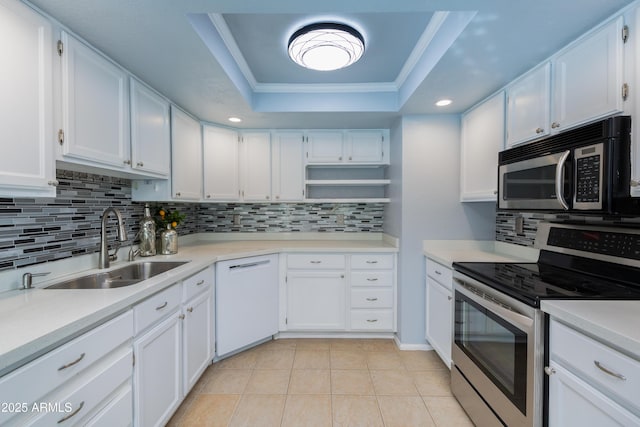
(35, 230)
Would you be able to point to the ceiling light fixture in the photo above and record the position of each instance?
(443, 102)
(235, 119)
(326, 46)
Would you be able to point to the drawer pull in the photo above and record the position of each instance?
(549, 370)
(160, 307)
(68, 365)
(372, 262)
(315, 262)
(372, 299)
(181, 317)
(372, 279)
(66, 417)
(608, 371)
(200, 282)
(190, 309)
(372, 320)
(438, 273)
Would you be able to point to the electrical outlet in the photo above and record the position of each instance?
(520, 225)
(340, 219)
(236, 219)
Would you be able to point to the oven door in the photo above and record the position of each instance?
(538, 183)
(495, 350)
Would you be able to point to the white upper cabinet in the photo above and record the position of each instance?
(588, 78)
(287, 166)
(529, 106)
(94, 106)
(186, 156)
(325, 147)
(256, 166)
(150, 131)
(364, 146)
(482, 139)
(27, 163)
(221, 163)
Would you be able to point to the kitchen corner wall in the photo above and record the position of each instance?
(37, 230)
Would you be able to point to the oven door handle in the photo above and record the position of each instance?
(521, 321)
(560, 179)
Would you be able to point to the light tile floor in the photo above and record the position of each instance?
(324, 382)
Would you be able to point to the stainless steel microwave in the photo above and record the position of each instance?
(585, 170)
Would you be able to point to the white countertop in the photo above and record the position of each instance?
(616, 323)
(37, 320)
(447, 252)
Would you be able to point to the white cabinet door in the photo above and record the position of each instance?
(157, 373)
(196, 338)
(186, 156)
(482, 139)
(365, 146)
(27, 163)
(529, 106)
(574, 403)
(439, 318)
(288, 166)
(325, 147)
(256, 166)
(316, 300)
(587, 78)
(150, 132)
(221, 164)
(95, 106)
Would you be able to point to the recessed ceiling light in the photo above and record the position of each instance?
(326, 46)
(235, 119)
(443, 102)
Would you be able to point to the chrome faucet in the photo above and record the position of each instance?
(105, 257)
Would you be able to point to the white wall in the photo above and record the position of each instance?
(425, 175)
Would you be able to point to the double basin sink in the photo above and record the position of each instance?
(124, 276)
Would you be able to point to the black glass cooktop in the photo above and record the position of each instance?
(565, 278)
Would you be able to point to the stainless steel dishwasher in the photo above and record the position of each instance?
(246, 302)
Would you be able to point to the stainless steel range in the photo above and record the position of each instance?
(498, 349)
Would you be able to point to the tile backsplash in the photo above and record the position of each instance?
(37, 230)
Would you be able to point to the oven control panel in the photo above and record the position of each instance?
(625, 245)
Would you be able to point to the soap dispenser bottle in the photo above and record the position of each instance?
(147, 233)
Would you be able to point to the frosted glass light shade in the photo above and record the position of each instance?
(326, 46)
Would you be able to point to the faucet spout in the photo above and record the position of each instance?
(104, 257)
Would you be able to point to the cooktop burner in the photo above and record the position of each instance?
(531, 282)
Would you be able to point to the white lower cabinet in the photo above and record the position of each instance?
(340, 292)
(589, 382)
(439, 309)
(197, 336)
(76, 382)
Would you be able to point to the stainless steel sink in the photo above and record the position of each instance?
(123, 276)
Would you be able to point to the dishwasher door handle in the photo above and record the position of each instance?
(248, 265)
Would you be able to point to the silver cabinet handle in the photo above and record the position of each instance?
(315, 262)
(140, 164)
(127, 162)
(267, 197)
(372, 320)
(53, 183)
(609, 371)
(160, 307)
(549, 371)
(70, 364)
(181, 317)
(190, 309)
(634, 183)
(208, 196)
(200, 282)
(66, 417)
(372, 299)
(372, 262)
(177, 194)
(372, 279)
(449, 297)
(438, 273)
(539, 130)
(555, 125)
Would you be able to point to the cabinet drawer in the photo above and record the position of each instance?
(86, 394)
(372, 261)
(378, 320)
(118, 412)
(156, 307)
(316, 261)
(197, 283)
(584, 354)
(32, 381)
(372, 278)
(371, 298)
(440, 273)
